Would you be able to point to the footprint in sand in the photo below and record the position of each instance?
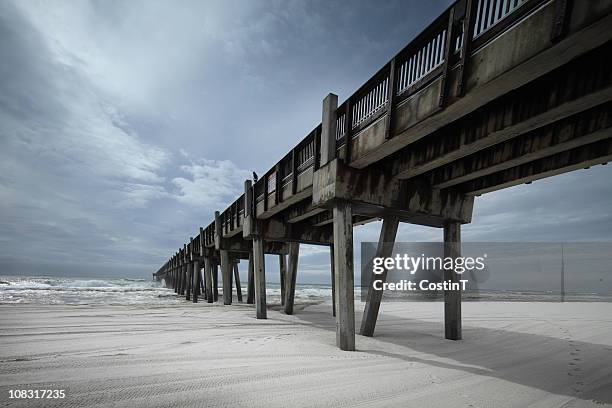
(573, 370)
(434, 379)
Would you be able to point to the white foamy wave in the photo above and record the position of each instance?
(51, 290)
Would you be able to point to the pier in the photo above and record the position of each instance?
(492, 94)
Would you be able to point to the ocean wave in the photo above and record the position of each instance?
(51, 290)
(127, 291)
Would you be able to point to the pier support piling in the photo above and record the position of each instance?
(452, 298)
(237, 280)
(260, 278)
(226, 275)
(294, 250)
(333, 280)
(187, 283)
(384, 249)
(196, 280)
(344, 275)
(251, 281)
(282, 267)
(215, 280)
(208, 273)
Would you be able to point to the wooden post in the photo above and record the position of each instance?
(203, 281)
(328, 129)
(294, 171)
(189, 270)
(348, 130)
(177, 266)
(282, 267)
(182, 275)
(333, 280)
(391, 90)
(466, 48)
(218, 230)
(251, 280)
(215, 279)
(226, 275)
(452, 298)
(449, 47)
(260, 278)
(196, 280)
(184, 270)
(294, 251)
(237, 279)
(208, 272)
(174, 273)
(384, 249)
(343, 265)
(563, 9)
(201, 276)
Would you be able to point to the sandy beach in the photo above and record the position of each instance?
(512, 355)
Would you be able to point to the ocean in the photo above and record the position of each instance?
(124, 291)
(121, 291)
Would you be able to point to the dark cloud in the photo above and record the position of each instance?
(124, 125)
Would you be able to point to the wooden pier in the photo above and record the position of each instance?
(492, 94)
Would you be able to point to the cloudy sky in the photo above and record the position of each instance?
(125, 124)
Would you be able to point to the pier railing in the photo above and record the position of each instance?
(429, 56)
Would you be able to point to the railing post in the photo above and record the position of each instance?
(328, 129)
(563, 10)
(391, 90)
(348, 130)
(448, 53)
(468, 25)
(218, 230)
(278, 197)
(265, 193)
(294, 175)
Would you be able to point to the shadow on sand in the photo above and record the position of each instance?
(559, 365)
